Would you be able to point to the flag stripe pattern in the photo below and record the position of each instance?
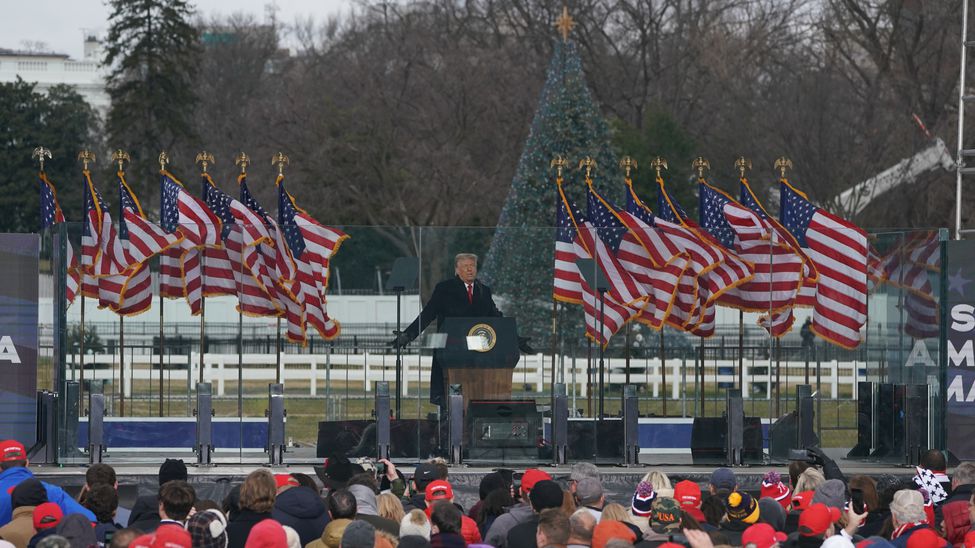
(839, 250)
(312, 246)
(777, 268)
(569, 284)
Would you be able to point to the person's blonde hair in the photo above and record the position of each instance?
(390, 507)
(464, 257)
(258, 492)
(809, 480)
(660, 482)
(568, 503)
(615, 512)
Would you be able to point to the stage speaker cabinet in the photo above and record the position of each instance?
(804, 432)
(735, 425)
(503, 428)
(865, 416)
(889, 422)
(915, 422)
(709, 440)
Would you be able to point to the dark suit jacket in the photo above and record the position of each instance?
(449, 300)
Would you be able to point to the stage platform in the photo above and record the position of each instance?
(214, 482)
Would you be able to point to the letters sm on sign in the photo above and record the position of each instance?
(960, 407)
(18, 336)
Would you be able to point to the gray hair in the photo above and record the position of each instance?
(581, 524)
(465, 257)
(908, 506)
(964, 474)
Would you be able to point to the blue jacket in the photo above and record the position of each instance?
(13, 476)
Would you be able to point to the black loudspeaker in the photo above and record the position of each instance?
(500, 429)
(708, 440)
(590, 440)
(915, 422)
(889, 421)
(864, 421)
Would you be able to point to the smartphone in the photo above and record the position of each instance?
(856, 500)
(679, 539)
(380, 468)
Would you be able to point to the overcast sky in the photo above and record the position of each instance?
(59, 23)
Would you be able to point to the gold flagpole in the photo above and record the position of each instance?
(204, 158)
(163, 160)
(281, 160)
(87, 157)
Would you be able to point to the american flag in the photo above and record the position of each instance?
(183, 214)
(839, 251)
(243, 230)
(51, 215)
(906, 266)
(658, 283)
(569, 284)
(274, 268)
(777, 268)
(807, 293)
(721, 270)
(312, 246)
(661, 239)
(130, 294)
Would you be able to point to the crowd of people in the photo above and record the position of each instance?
(359, 505)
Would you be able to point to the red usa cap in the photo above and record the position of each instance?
(816, 519)
(438, 490)
(11, 450)
(531, 477)
(285, 479)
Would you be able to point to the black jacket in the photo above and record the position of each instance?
(145, 513)
(523, 534)
(239, 527)
(303, 510)
(449, 300)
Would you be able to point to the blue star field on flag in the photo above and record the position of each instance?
(796, 213)
(286, 218)
(712, 216)
(608, 227)
(218, 202)
(169, 210)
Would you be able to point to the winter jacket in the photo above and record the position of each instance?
(332, 535)
(303, 510)
(103, 530)
(239, 526)
(732, 530)
(12, 476)
(901, 541)
(498, 533)
(957, 522)
(145, 513)
(447, 540)
(523, 534)
(40, 536)
(21, 528)
(796, 540)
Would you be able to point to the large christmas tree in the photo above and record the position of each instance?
(519, 263)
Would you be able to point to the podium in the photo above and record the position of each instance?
(479, 354)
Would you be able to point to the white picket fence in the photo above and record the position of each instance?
(307, 371)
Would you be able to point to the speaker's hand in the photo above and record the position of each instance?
(524, 346)
(401, 340)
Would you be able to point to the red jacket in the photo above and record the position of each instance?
(957, 521)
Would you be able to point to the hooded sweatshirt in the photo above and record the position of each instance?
(332, 535)
(497, 535)
(78, 530)
(367, 510)
(303, 510)
(21, 528)
(11, 477)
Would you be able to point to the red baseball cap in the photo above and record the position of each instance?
(688, 493)
(438, 490)
(531, 477)
(47, 515)
(285, 479)
(762, 535)
(801, 501)
(167, 536)
(816, 519)
(11, 450)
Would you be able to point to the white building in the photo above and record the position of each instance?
(50, 69)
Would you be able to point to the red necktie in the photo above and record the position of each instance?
(470, 293)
